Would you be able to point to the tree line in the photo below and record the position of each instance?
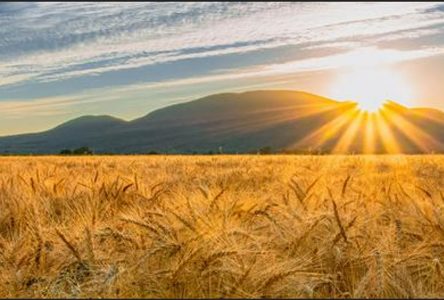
(261, 151)
(78, 151)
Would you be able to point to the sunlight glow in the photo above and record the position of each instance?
(391, 130)
(424, 141)
(322, 135)
(345, 141)
(371, 87)
(386, 135)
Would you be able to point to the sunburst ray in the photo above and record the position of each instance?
(424, 141)
(369, 144)
(320, 136)
(386, 135)
(345, 141)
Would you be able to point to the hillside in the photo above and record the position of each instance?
(243, 122)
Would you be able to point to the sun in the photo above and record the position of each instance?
(371, 87)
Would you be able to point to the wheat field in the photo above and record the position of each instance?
(222, 226)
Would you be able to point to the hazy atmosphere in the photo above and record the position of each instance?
(59, 61)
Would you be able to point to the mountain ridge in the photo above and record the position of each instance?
(236, 122)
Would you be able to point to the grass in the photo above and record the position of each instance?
(222, 226)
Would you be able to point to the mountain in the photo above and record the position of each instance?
(81, 131)
(246, 122)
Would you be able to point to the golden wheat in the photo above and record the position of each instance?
(222, 226)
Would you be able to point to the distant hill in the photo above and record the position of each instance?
(245, 122)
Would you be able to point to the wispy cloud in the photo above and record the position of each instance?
(74, 58)
(271, 71)
(57, 41)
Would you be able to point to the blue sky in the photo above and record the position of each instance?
(62, 60)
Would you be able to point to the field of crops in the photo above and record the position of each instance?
(222, 226)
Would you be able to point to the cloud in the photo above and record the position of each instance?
(363, 57)
(58, 41)
(67, 59)
(438, 8)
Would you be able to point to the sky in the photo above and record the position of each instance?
(59, 61)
